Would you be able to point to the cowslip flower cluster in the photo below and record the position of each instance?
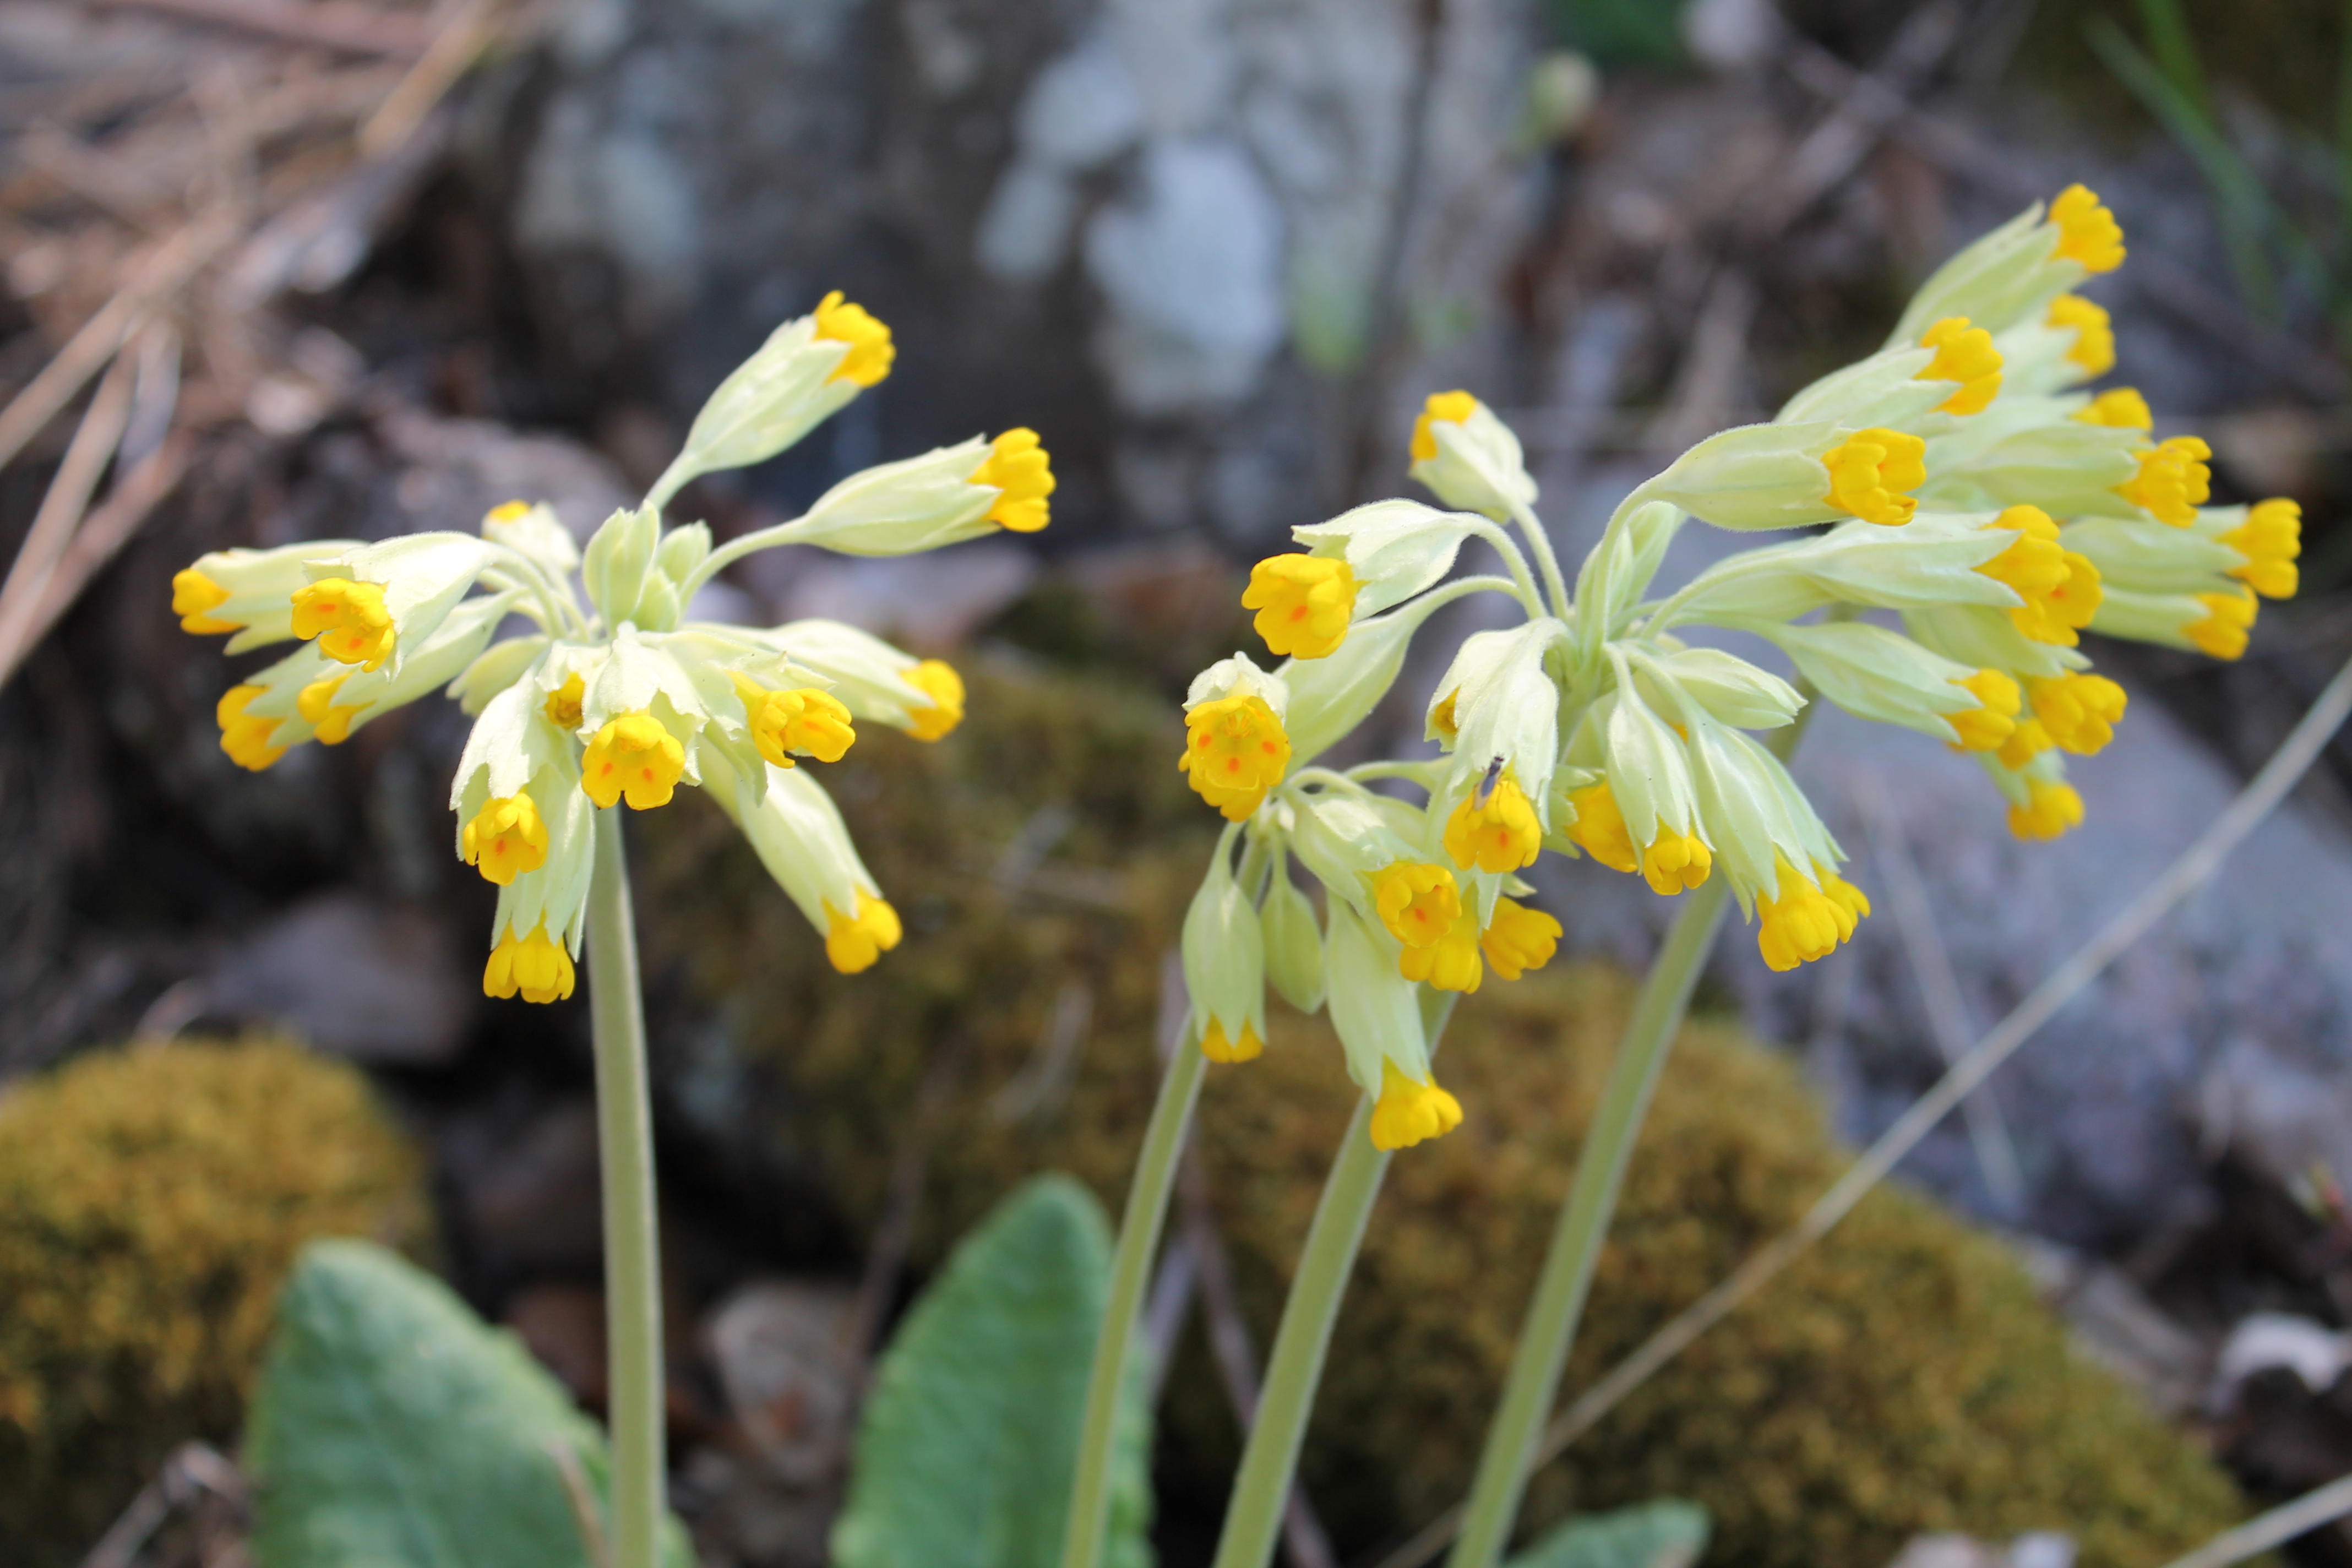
(1972, 490)
(591, 683)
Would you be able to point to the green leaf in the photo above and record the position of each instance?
(392, 1428)
(1667, 1533)
(966, 1447)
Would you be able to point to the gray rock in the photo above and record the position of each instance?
(352, 976)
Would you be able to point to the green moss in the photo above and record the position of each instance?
(1902, 1378)
(151, 1203)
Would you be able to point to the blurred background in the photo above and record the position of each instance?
(284, 268)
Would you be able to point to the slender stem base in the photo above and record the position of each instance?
(632, 1245)
(1270, 1457)
(1138, 1240)
(1550, 1329)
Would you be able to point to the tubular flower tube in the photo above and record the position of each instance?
(1600, 829)
(1809, 920)
(632, 757)
(1675, 862)
(1451, 962)
(1018, 467)
(2094, 353)
(194, 593)
(2173, 480)
(317, 705)
(1235, 751)
(1409, 1112)
(1417, 901)
(2050, 810)
(536, 965)
(506, 838)
(348, 619)
(245, 736)
(1870, 471)
(2221, 633)
(1499, 833)
(2270, 539)
(937, 679)
(801, 719)
(2118, 408)
(870, 350)
(853, 943)
(1519, 939)
(2088, 232)
(1988, 726)
(1965, 354)
(2060, 587)
(2078, 713)
(1304, 603)
(1441, 408)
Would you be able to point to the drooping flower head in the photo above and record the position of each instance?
(1983, 509)
(615, 694)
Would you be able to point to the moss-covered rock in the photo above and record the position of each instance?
(151, 1204)
(1902, 1378)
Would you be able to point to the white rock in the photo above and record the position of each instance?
(2317, 1355)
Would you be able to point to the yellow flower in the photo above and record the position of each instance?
(1501, 835)
(2060, 587)
(2222, 633)
(2050, 810)
(1675, 862)
(870, 351)
(1519, 939)
(1451, 962)
(2270, 539)
(1217, 1049)
(1441, 719)
(1808, 918)
(1408, 1112)
(348, 618)
(2094, 353)
(1599, 829)
(802, 719)
(1417, 901)
(246, 737)
(2088, 232)
(1870, 470)
(2173, 480)
(1965, 354)
(506, 838)
(2118, 408)
(2078, 713)
(535, 965)
(852, 945)
(633, 756)
(1019, 469)
(194, 593)
(563, 705)
(316, 704)
(1443, 408)
(937, 679)
(1234, 751)
(2025, 743)
(1304, 603)
(1988, 725)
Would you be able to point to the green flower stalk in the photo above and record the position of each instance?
(612, 692)
(1962, 482)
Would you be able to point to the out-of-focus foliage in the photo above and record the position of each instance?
(392, 1428)
(1663, 1534)
(966, 1447)
(1902, 1378)
(151, 1201)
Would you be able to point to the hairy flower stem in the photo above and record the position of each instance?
(1533, 1383)
(1270, 1459)
(1138, 1240)
(632, 1247)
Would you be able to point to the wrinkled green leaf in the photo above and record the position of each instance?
(966, 1447)
(392, 1428)
(1667, 1533)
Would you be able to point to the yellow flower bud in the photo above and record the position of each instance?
(1408, 1113)
(1501, 834)
(1871, 470)
(536, 965)
(1519, 939)
(1809, 920)
(1965, 354)
(851, 945)
(1018, 467)
(246, 737)
(870, 351)
(2094, 353)
(348, 619)
(1988, 726)
(2173, 480)
(2088, 232)
(1235, 751)
(938, 680)
(2050, 810)
(506, 838)
(193, 594)
(2077, 712)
